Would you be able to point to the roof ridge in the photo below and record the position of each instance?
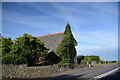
(50, 34)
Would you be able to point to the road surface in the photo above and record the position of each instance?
(91, 73)
(115, 75)
(84, 73)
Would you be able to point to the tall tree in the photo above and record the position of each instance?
(66, 49)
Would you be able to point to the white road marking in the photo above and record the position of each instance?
(105, 74)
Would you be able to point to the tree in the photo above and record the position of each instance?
(31, 48)
(26, 49)
(52, 58)
(6, 45)
(7, 58)
(0, 49)
(79, 58)
(66, 49)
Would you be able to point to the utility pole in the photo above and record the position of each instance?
(107, 51)
(102, 52)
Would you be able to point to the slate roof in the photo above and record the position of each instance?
(52, 40)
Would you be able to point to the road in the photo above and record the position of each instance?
(83, 74)
(115, 75)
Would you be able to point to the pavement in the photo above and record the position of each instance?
(88, 73)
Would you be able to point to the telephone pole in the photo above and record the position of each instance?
(105, 51)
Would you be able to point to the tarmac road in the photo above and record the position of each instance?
(113, 76)
(85, 73)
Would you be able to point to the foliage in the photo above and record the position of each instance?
(13, 59)
(64, 63)
(108, 62)
(66, 50)
(0, 49)
(52, 58)
(6, 48)
(91, 58)
(26, 49)
(68, 33)
(6, 45)
(113, 61)
(80, 58)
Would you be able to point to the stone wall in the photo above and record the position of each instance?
(22, 71)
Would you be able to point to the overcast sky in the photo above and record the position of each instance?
(94, 24)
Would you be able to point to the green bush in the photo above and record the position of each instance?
(89, 59)
(113, 61)
(11, 58)
(52, 58)
(79, 58)
(92, 58)
(26, 49)
(6, 45)
(83, 62)
(8, 59)
(62, 63)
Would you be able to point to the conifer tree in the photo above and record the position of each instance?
(66, 49)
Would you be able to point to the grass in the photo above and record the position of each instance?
(106, 63)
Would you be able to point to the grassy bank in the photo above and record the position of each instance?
(106, 63)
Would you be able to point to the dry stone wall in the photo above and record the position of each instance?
(22, 71)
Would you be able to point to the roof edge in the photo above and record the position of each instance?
(50, 34)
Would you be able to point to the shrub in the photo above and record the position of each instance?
(79, 58)
(92, 58)
(52, 58)
(26, 49)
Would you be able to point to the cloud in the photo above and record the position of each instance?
(19, 18)
(9, 35)
(98, 37)
(75, 15)
(85, 52)
(94, 16)
(61, 1)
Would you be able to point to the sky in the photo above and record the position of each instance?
(94, 24)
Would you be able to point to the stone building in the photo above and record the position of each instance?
(52, 40)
